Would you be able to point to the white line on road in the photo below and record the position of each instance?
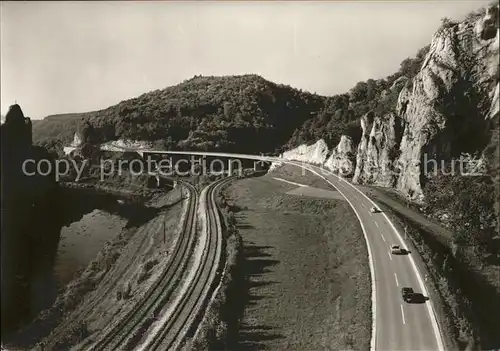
(289, 182)
(430, 307)
(363, 205)
(389, 255)
(403, 314)
(396, 277)
(370, 256)
(376, 224)
(370, 259)
(383, 238)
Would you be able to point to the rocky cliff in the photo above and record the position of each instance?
(315, 154)
(450, 107)
(30, 228)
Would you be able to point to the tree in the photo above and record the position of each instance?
(359, 92)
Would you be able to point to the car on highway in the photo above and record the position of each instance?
(397, 250)
(407, 293)
(373, 209)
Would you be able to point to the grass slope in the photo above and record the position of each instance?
(306, 279)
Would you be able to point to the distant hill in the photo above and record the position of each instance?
(229, 113)
(55, 131)
(243, 113)
(441, 106)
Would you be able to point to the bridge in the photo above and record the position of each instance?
(395, 326)
(215, 162)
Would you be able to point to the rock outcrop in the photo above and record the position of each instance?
(376, 159)
(449, 108)
(30, 228)
(114, 145)
(450, 102)
(316, 153)
(342, 160)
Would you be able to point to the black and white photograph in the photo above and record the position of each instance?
(250, 175)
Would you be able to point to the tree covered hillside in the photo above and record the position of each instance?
(231, 113)
(242, 113)
(56, 131)
(341, 113)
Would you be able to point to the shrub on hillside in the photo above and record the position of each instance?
(469, 204)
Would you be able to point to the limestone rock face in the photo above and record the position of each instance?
(342, 158)
(77, 141)
(376, 159)
(315, 153)
(450, 99)
(450, 108)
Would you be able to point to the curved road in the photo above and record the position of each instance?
(396, 325)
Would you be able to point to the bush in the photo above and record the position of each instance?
(469, 203)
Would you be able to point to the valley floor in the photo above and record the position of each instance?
(305, 266)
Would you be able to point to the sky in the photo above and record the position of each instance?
(65, 57)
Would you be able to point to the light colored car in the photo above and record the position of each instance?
(396, 249)
(373, 209)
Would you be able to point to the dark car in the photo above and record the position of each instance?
(407, 294)
(398, 250)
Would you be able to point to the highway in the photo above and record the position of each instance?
(396, 325)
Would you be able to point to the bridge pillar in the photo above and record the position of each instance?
(259, 165)
(230, 168)
(157, 181)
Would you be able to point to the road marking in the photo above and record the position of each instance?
(403, 314)
(430, 307)
(281, 160)
(376, 224)
(389, 255)
(383, 238)
(363, 205)
(396, 277)
(289, 182)
(370, 255)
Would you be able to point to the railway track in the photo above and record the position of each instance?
(174, 331)
(121, 336)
